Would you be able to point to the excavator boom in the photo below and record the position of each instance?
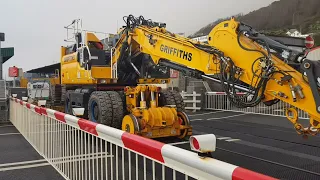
(237, 56)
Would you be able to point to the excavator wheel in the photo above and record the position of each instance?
(123, 98)
(106, 107)
(67, 103)
(117, 109)
(165, 98)
(171, 97)
(100, 108)
(130, 124)
(178, 101)
(185, 121)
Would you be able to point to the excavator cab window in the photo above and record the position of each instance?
(98, 55)
(71, 49)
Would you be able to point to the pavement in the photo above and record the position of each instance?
(18, 159)
(264, 144)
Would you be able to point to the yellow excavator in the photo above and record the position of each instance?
(112, 94)
(119, 89)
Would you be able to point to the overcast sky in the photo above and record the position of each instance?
(35, 27)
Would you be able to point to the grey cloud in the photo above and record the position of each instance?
(35, 27)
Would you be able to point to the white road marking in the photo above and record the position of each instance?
(81, 159)
(205, 113)
(22, 162)
(223, 138)
(24, 167)
(6, 126)
(196, 120)
(228, 139)
(226, 117)
(231, 140)
(61, 160)
(98, 154)
(6, 134)
(184, 142)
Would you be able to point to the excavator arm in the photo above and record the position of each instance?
(236, 55)
(274, 71)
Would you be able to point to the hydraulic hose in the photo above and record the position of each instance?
(261, 81)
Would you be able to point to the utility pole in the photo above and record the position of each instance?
(2, 38)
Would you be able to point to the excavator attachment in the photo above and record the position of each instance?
(149, 118)
(270, 70)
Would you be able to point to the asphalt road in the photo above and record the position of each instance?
(264, 144)
(18, 159)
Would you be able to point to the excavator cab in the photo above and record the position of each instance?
(87, 61)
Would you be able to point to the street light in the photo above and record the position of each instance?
(2, 38)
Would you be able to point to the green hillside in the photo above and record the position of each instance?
(279, 17)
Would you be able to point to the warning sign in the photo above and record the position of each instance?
(13, 71)
(174, 73)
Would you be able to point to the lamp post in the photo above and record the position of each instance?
(2, 38)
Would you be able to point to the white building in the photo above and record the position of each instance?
(296, 33)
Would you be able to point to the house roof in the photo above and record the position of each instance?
(46, 69)
(292, 30)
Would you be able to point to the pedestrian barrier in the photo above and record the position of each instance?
(219, 101)
(80, 149)
(191, 99)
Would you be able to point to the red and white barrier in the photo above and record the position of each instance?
(177, 159)
(223, 93)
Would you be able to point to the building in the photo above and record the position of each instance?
(296, 33)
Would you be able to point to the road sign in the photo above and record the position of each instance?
(13, 71)
(309, 42)
(174, 73)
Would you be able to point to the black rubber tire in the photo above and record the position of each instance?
(171, 97)
(178, 101)
(123, 97)
(117, 109)
(165, 98)
(105, 107)
(67, 103)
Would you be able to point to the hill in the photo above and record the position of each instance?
(279, 17)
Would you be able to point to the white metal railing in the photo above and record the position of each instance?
(191, 99)
(219, 101)
(80, 149)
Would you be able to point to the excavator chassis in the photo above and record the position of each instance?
(149, 118)
(143, 110)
